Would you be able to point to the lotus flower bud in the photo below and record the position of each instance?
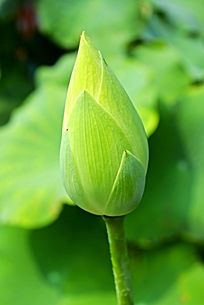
(104, 150)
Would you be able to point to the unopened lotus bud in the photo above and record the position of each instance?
(104, 150)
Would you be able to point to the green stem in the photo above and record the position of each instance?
(119, 259)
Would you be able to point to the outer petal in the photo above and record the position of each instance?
(128, 186)
(71, 178)
(95, 144)
(115, 100)
(86, 74)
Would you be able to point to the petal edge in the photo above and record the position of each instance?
(127, 188)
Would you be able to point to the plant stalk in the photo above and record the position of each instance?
(119, 259)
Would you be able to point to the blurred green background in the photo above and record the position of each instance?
(52, 253)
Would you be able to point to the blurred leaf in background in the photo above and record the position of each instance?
(111, 23)
(33, 135)
(67, 263)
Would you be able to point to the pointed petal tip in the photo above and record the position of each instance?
(129, 153)
(85, 97)
(83, 35)
(85, 39)
(84, 94)
(86, 43)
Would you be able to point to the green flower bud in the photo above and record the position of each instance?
(104, 150)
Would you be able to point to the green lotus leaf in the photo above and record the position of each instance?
(163, 212)
(31, 192)
(58, 74)
(49, 270)
(172, 204)
(168, 70)
(187, 15)
(191, 128)
(112, 28)
(187, 48)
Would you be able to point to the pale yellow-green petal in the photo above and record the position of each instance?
(97, 145)
(70, 173)
(127, 188)
(86, 74)
(116, 101)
